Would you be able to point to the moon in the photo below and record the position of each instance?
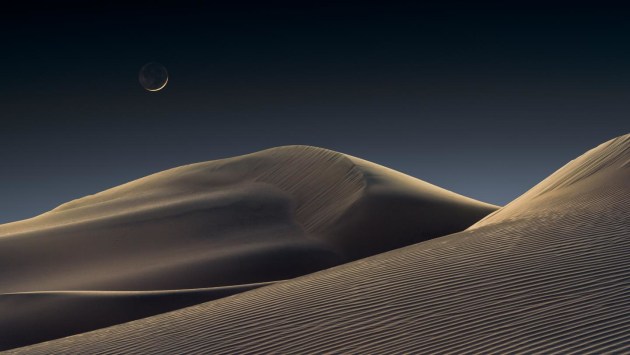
(153, 76)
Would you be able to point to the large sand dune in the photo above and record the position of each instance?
(548, 273)
(263, 217)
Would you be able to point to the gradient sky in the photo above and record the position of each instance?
(483, 100)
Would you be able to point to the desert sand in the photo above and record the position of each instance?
(548, 273)
(29, 316)
(204, 231)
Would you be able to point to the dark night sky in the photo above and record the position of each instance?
(482, 100)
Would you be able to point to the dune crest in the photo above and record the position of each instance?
(549, 274)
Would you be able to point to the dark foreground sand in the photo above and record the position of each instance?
(204, 231)
(549, 273)
(29, 316)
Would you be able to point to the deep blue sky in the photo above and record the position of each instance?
(483, 100)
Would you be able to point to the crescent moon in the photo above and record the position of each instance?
(153, 76)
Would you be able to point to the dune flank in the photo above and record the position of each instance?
(31, 316)
(262, 217)
(549, 273)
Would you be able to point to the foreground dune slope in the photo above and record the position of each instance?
(222, 226)
(31, 317)
(550, 277)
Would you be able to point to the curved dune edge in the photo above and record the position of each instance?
(32, 317)
(553, 279)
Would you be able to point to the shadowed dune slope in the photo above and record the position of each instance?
(551, 276)
(262, 217)
(32, 317)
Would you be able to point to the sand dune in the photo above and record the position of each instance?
(548, 273)
(262, 217)
(281, 213)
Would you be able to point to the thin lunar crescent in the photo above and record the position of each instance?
(161, 87)
(153, 76)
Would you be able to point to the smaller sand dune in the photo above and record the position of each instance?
(598, 167)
